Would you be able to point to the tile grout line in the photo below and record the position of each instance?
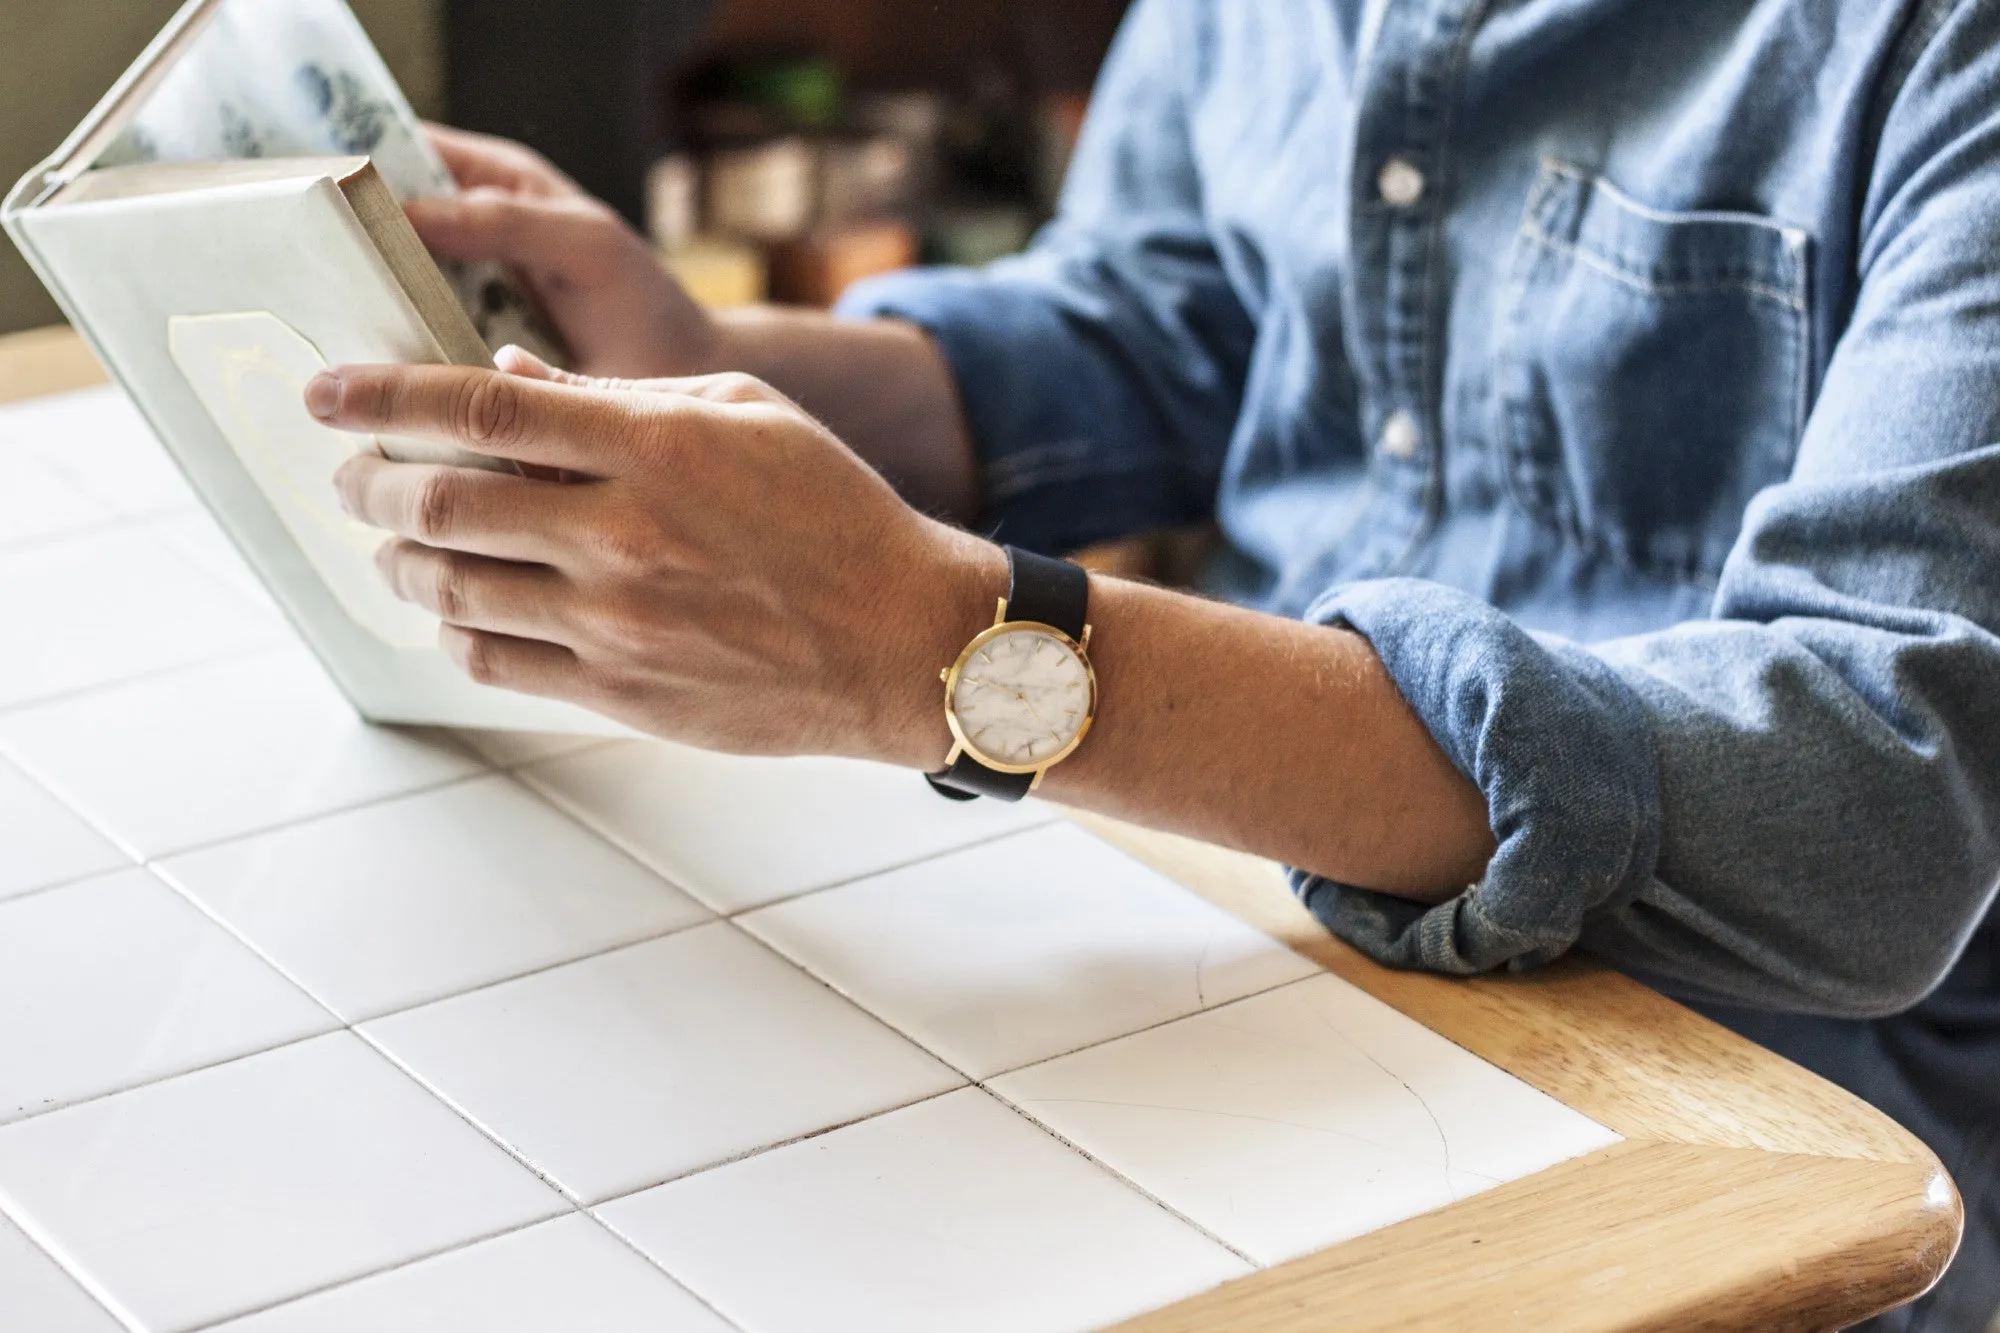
(55, 789)
(985, 1084)
(898, 868)
(438, 1095)
(115, 521)
(1119, 1176)
(514, 774)
(660, 1268)
(370, 1041)
(148, 676)
(152, 675)
(165, 876)
(576, 811)
(300, 821)
(72, 1268)
(750, 1154)
(562, 1191)
(411, 1262)
(349, 1028)
(43, 890)
(343, 1024)
(539, 969)
(920, 1044)
(96, 527)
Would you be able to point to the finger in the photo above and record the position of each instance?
(485, 411)
(525, 665)
(732, 388)
(541, 234)
(520, 361)
(464, 509)
(473, 592)
(723, 387)
(484, 159)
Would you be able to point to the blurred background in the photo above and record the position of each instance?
(773, 149)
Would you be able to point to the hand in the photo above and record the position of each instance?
(730, 575)
(599, 280)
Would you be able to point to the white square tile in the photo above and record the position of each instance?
(397, 904)
(1018, 950)
(638, 1066)
(954, 1214)
(570, 1275)
(44, 843)
(1300, 1118)
(116, 982)
(37, 502)
(36, 1296)
(220, 1192)
(98, 441)
(191, 757)
(89, 610)
(739, 833)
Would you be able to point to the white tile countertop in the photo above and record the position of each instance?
(307, 1025)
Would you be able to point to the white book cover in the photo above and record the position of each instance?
(213, 305)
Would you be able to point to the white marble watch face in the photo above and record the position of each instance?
(1022, 698)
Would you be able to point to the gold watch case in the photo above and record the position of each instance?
(962, 744)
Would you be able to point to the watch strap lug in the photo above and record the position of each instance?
(967, 779)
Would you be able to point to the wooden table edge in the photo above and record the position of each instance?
(1707, 1117)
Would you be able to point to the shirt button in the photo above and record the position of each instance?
(1401, 184)
(1399, 436)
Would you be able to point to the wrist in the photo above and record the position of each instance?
(946, 600)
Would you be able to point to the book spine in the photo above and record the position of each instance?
(15, 211)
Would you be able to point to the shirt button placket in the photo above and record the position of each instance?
(1403, 119)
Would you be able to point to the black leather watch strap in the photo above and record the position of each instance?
(1049, 592)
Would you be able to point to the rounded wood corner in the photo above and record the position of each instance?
(1759, 1241)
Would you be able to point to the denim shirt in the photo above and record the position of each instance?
(1628, 373)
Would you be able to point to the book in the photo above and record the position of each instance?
(225, 224)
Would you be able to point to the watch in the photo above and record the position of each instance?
(1022, 695)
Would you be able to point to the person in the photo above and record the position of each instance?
(1599, 404)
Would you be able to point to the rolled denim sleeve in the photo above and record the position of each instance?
(1794, 803)
(1101, 372)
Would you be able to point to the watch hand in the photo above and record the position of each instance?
(1033, 711)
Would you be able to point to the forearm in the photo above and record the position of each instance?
(1264, 734)
(880, 385)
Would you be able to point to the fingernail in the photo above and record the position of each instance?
(323, 396)
(515, 360)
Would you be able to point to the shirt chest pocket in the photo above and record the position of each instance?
(1650, 370)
